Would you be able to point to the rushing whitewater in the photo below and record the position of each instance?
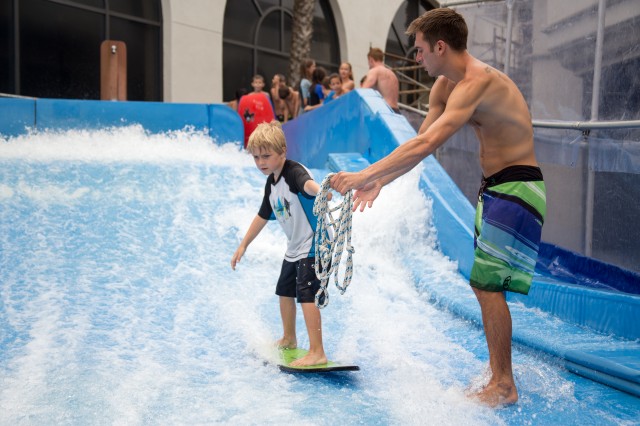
(118, 304)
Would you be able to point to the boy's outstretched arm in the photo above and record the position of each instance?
(312, 187)
(254, 229)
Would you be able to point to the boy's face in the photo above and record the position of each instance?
(335, 84)
(268, 161)
(257, 84)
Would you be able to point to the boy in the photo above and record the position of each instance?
(382, 78)
(285, 99)
(257, 82)
(336, 88)
(288, 197)
(292, 99)
(255, 108)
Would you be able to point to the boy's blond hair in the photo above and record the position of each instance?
(268, 136)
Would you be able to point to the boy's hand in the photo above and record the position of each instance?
(237, 256)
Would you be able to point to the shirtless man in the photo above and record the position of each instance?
(291, 99)
(382, 78)
(511, 204)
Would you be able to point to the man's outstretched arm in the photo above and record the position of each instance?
(461, 105)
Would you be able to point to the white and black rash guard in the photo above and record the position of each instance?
(286, 201)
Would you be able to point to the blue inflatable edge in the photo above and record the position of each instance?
(574, 268)
(19, 116)
(16, 116)
(361, 122)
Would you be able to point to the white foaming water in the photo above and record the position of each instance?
(116, 144)
(119, 305)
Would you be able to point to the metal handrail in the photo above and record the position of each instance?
(586, 125)
(412, 109)
(571, 125)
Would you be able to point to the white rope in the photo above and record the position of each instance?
(329, 253)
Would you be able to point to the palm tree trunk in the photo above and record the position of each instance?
(301, 34)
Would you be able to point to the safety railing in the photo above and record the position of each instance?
(415, 84)
(566, 125)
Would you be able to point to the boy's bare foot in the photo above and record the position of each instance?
(310, 359)
(496, 395)
(286, 344)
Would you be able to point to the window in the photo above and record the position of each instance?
(51, 48)
(400, 55)
(257, 40)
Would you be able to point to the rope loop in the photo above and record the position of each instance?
(329, 252)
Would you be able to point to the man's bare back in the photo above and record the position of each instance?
(384, 81)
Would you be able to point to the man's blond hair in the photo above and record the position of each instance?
(268, 136)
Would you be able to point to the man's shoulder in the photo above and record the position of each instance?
(481, 72)
(477, 79)
(441, 89)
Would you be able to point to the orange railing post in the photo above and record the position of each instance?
(113, 71)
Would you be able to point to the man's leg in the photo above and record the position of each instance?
(288, 314)
(496, 320)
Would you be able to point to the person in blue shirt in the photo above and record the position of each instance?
(336, 88)
(316, 92)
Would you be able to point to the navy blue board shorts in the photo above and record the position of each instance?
(298, 279)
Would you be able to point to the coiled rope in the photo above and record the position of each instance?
(328, 252)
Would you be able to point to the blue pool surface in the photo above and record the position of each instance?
(118, 304)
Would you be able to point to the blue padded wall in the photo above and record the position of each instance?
(223, 124)
(16, 115)
(361, 122)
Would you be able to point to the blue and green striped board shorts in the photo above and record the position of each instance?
(508, 226)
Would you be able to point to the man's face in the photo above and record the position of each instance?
(424, 55)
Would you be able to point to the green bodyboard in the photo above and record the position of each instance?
(287, 356)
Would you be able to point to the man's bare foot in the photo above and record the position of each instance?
(310, 359)
(496, 395)
(286, 344)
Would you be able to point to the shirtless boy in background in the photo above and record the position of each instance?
(382, 78)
